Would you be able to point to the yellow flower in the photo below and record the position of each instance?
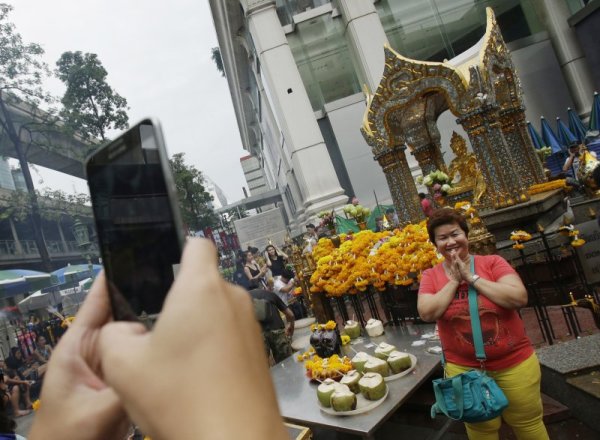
(330, 325)
(547, 186)
(520, 235)
(578, 242)
(518, 245)
(36, 404)
(345, 339)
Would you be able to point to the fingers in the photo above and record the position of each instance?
(96, 309)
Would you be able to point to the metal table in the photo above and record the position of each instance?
(297, 396)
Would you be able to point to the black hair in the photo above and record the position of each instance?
(287, 274)
(422, 195)
(310, 225)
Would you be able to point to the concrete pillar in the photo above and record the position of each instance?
(574, 66)
(366, 39)
(316, 177)
(13, 230)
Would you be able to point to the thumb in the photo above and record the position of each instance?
(121, 346)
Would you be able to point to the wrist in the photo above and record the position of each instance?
(473, 279)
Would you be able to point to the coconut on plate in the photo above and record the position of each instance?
(383, 350)
(352, 329)
(374, 327)
(359, 361)
(376, 365)
(399, 361)
(351, 380)
(343, 399)
(372, 386)
(325, 390)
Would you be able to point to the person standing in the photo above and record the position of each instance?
(511, 360)
(276, 334)
(254, 272)
(311, 237)
(284, 286)
(426, 205)
(276, 260)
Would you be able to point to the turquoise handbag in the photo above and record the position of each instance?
(472, 396)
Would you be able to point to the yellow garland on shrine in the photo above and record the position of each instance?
(570, 231)
(375, 258)
(547, 186)
(519, 237)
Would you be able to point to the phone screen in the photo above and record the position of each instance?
(135, 222)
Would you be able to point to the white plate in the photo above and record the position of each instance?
(362, 406)
(413, 360)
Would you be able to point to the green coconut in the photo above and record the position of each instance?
(383, 350)
(343, 399)
(351, 380)
(359, 361)
(372, 386)
(352, 329)
(399, 361)
(325, 390)
(376, 365)
(374, 327)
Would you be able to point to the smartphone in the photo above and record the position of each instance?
(137, 219)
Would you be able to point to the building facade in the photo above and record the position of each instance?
(297, 70)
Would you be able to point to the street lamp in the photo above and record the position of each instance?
(82, 237)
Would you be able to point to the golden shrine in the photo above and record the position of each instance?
(480, 87)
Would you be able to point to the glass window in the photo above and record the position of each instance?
(286, 9)
(435, 30)
(323, 59)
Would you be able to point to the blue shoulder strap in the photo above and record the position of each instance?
(475, 322)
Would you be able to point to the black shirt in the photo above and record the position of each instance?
(273, 321)
(277, 266)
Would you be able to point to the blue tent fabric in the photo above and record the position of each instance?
(18, 281)
(79, 272)
(536, 138)
(595, 115)
(565, 136)
(555, 163)
(575, 125)
(549, 137)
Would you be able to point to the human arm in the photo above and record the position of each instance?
(281, 253)
(289, 286)
(569, 162)
(507, 291)
(231, 375)
(290, 319)
(76, 402)
(432, 305)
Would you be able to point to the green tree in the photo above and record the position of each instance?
(218, 60)
(91, 106)
(21, 97)
(194, 201)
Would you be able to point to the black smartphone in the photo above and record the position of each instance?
(137, 219)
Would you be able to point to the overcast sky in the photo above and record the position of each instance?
(157, 54)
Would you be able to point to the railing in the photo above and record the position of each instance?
(9, 248)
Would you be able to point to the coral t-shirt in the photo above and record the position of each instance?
(504, 338)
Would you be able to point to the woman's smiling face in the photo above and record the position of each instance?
(450, 239)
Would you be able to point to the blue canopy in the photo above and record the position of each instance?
(565, 136)
(536, 139)
(75, 272)
(18, 281)
(595, 116)
(549, 137)
(576, 126)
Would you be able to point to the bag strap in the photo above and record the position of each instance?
(475, 322)
(440, 401)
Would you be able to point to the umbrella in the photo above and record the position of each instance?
(549, 137)
(576, 126)
(18, 281)
(38, 300)
(595, 116)
(565, 136)
(537, 140)
(75, 272)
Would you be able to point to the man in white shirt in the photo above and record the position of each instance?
(283, 286)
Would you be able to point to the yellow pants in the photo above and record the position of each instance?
(521, 385)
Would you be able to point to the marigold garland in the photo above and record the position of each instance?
(374, 258)
(546, 186)
(331, 367)
(519, 237)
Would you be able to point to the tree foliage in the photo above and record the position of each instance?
(216, 57)
(194, 201)
(21, 73)
(91, 106)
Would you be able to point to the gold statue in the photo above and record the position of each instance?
(587, 164)
(464, 171)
